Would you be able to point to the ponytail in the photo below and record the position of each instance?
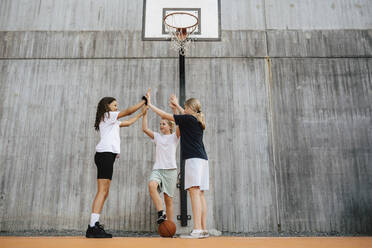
(201, 119)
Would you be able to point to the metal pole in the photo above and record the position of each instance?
(183, 194)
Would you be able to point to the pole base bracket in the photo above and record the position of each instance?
(179, 217)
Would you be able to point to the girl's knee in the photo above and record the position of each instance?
(153, 185)
(194, 189)
(104, 191)
(168, 200)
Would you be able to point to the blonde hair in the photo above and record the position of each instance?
(195, 106)
(170, 124)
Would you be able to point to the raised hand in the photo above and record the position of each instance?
(173, 100)
(171, 105)
(148, 96)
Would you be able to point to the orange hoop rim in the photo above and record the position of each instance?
(183, 13)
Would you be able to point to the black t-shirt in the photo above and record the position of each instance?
(191, 137)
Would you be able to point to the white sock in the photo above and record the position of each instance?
(93, 219)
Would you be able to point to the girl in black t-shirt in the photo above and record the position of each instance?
(191, 123)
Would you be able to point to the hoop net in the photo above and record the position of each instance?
(180, 25)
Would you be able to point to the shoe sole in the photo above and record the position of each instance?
(95, 237)
(191, 237)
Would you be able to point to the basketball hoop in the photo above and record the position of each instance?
(180, 25)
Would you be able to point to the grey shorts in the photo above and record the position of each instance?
(166, 179)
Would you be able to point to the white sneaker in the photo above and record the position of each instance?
(205, 233)
(195, 234)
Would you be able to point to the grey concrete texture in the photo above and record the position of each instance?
(51, 149)
(320, 43)
(288, 136)
(243, 15)
(318, 14)
(126, 15)
(48, 142)
(323, 139)
(115, 44)
(122, 44)
(70, 15)
(235, 102)
(57, 156)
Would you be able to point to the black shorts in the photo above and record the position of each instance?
(105, 163)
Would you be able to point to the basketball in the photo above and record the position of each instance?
(167, 229)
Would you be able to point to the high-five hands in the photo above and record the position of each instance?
(148, 96)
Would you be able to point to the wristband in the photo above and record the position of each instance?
(144, 98)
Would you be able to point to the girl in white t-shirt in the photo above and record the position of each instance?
(191, 123)
(164, 174)
(108, 124)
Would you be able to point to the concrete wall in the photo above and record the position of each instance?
(236, 104)
(322, 113)
(48, 109)
(287, 97)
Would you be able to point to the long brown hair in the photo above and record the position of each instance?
(102, 108)
(195, 106)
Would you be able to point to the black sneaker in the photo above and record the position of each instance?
(97, 232)
(161, 217)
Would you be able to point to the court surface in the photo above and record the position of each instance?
(212, 242)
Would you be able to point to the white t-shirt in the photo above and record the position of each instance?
(166, 146)
(110, 136)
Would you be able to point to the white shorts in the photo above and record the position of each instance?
(197, 173)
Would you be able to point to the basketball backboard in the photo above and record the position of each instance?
(207, 11)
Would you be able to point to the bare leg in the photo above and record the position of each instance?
(196, 206)
(103, 187)
(169, 206)
(203, 211)
(153, 189)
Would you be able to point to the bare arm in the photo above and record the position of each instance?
(131, 109)
(132, 120)
(180, 109)
(174, 102)
(144, 125)
(161, 113)
(175, 111)
(178, 132)
(158, 111)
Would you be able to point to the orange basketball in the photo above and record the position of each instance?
(167, 229)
